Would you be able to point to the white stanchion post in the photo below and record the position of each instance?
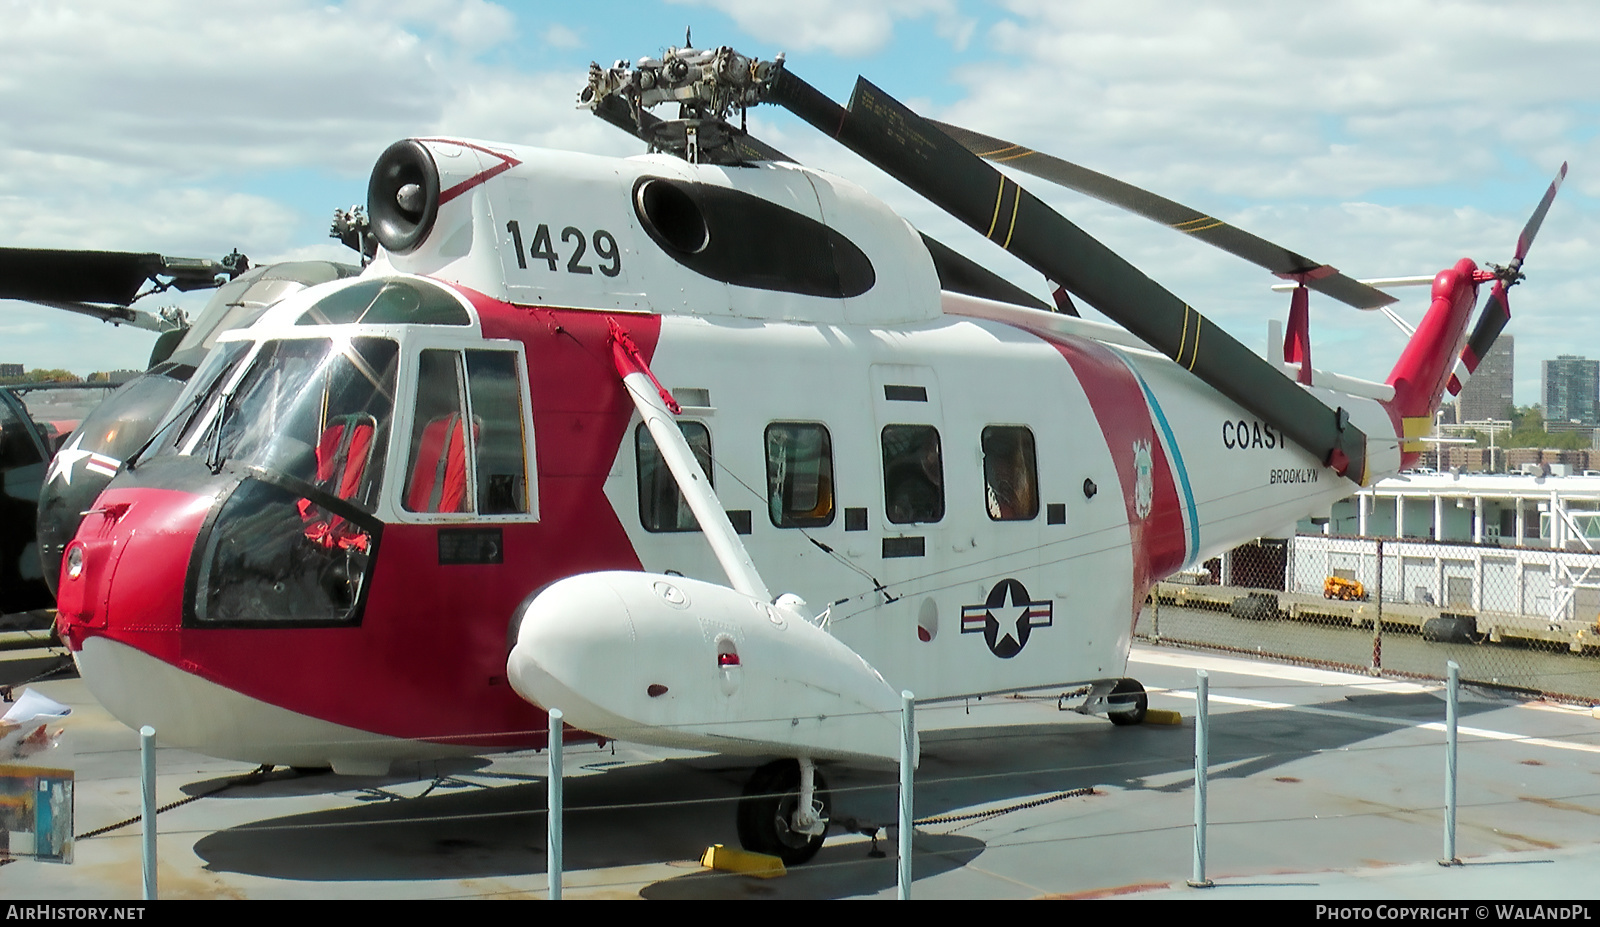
(147, 806)
(1453, 671)
(908, 729)
(1202, 751)
(553, 833)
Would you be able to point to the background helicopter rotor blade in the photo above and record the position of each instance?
(1275, 258)
(74, 276)
(914, 151)
(107, 277)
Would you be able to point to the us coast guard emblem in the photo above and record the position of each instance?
(1144, 481)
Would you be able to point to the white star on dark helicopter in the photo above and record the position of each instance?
(65, 460)
(68, 457)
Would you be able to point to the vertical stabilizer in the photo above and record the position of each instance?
(1420, 375)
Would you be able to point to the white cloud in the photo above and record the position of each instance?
(843, 27)
(559, 36)
(154, 86)
(1356, 95)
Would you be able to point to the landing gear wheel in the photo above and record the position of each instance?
(1127, 703)
(766, 813)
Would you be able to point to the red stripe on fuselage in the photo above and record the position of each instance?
(1125, 420)
(506, 163)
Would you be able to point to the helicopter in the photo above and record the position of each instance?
(707, 449)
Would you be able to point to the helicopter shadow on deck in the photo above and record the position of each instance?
(671, 810)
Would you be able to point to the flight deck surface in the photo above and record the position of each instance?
(1322, 786)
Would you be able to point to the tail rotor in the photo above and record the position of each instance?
(1497, 309)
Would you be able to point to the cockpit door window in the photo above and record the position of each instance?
(468, 453)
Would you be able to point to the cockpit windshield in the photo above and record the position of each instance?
(303, 426)
(317, 410)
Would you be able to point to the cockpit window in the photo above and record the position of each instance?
(316, 410)
(306, 431)
(467, 449)
(394, 301)
(243, 300)
(198, 400)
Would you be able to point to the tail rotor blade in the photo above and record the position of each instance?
(1496, 313)
(1525, 240)
(1497, 309)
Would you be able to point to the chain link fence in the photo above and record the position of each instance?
(1520, 618)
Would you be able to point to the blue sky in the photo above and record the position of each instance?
(1385, 138)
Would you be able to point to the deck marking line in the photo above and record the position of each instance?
(1400, 722)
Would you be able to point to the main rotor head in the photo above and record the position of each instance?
(708, 85)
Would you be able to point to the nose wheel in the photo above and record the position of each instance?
(775, 816)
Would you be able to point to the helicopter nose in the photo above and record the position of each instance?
(93, 455)
(124, 571)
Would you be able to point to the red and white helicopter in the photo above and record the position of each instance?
(707, 449)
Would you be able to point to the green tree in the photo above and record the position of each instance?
(52, 376)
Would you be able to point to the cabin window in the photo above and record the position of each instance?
(662, 506)
(468, 453)
(913, 474)
(799, 475)
(1010, 473)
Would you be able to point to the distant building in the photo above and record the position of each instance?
(9, 371)
(1571, 390)
(1488, 394)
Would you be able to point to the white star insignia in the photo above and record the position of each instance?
(1011, 613)
(68, 457)
(65, 460)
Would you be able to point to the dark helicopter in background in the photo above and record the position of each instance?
(55, 454)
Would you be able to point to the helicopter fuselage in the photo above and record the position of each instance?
(319, 558)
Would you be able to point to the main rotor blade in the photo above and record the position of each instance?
(961, 274)
(1212, 231)
(912, 150)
